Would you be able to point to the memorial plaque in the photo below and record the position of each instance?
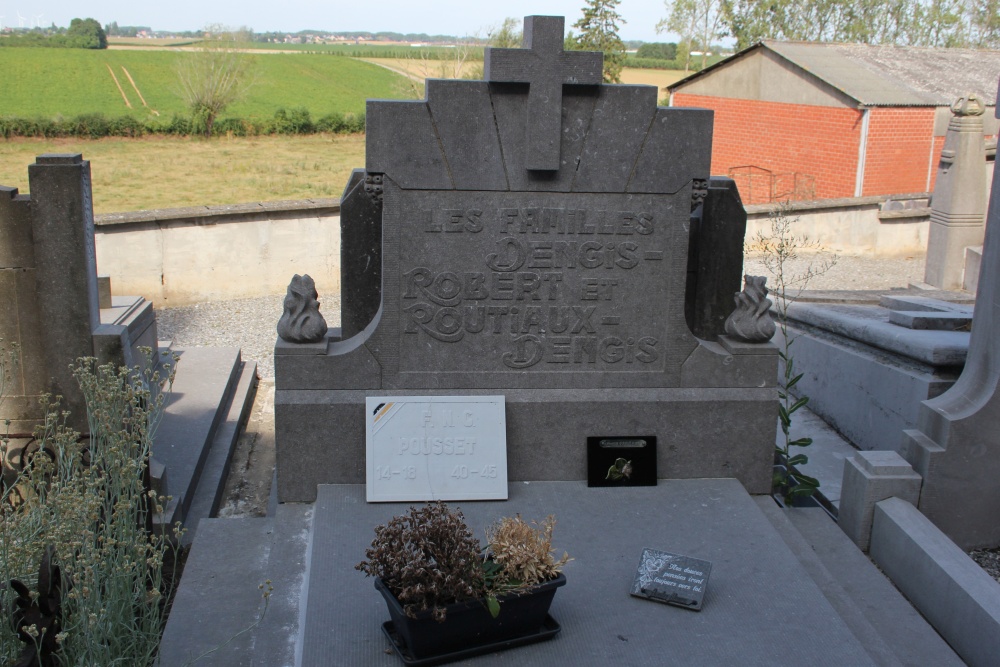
(671, 579)
(424, 448)
(621, 461)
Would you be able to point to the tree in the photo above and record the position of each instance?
(218, 75)
(506, 35)
(658, 50)
(698, 22)
(599, 32)
(87, 34)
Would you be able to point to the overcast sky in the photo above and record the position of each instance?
(444, 17)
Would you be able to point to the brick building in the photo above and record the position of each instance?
(815, 121)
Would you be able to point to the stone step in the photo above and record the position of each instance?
(891, 630)
(207, 495)
(212, 388)
(218, 599)
(219, 603)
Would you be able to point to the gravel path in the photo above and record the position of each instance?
(249, 324)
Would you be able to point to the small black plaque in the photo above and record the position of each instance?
(671, 579)
(621, 461)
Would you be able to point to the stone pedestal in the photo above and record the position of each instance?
(870, 477)
(959, 204)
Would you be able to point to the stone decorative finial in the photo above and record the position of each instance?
(751, 321)
(301, 322)
(969, 105)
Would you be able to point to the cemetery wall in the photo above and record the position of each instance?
(855, 225)
(181, 256)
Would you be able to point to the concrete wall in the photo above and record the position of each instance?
(175, 257)
(180, 256)
(854, 225)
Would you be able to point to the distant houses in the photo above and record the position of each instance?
(814, 121)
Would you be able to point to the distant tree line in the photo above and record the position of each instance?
(935, 23)
(81, 34)
(114, 30)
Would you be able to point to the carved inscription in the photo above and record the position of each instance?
(548, 287)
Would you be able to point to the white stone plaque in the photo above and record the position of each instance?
(436, 448)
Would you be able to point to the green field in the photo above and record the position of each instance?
(50, 82)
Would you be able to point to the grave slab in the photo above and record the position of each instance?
(761, 606)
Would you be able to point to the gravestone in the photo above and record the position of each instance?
(956, 446)
(958, 207)
(54, 309)
(534, 244)
(49, 292)
(868, 364)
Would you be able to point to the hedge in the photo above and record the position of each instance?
(97, 125)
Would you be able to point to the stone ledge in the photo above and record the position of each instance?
(192, 213)
(841, 202)
(959, 599)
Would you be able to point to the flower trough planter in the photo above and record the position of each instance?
(468, 628)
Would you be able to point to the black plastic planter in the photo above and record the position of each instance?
(469, 624)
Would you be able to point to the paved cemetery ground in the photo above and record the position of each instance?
(197, 172)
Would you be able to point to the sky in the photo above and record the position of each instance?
(441, 17)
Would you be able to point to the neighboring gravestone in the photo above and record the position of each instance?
(959, 204)
(956, 448)
(49, 297)
(534, 244)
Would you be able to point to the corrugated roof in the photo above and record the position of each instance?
(890, 75)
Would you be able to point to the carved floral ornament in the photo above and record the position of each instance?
(751, 321)
(301, 321)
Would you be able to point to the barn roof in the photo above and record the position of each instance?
(887, 75)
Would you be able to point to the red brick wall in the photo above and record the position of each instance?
(899, 150)
(821, 142)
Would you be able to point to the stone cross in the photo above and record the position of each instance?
(545, 67)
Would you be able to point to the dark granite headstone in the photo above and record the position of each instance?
(715, 257)
(360, 252)
(561, 288)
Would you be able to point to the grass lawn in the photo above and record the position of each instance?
(148, 173)
(47, 82)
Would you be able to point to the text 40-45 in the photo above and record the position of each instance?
(464, 472)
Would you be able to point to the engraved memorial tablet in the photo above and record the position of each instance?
(436, 448)
(672, 579)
